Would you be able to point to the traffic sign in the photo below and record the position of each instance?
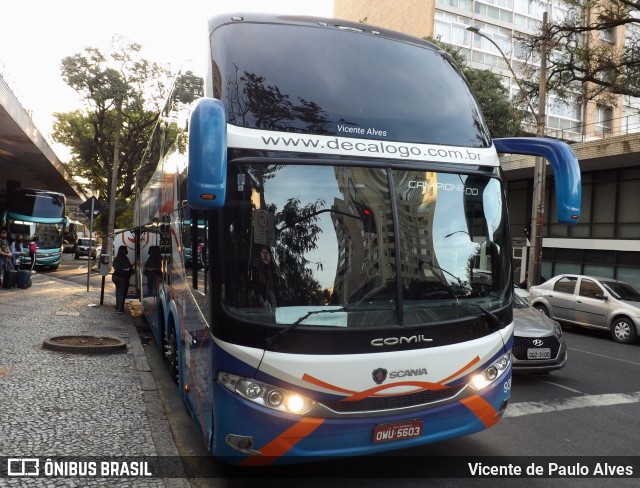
(86, 206)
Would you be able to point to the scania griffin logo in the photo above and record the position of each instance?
(538, 342)
(399, 341)
(379, 375)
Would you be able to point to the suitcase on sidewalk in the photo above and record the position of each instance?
(23, 279)
(10, 278)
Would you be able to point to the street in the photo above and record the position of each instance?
(75, 270)
(587, 409)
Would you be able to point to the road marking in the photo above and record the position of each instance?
(606, 357)
(565, 387)
(530, 408)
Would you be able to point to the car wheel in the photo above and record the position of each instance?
(623, 330)
(542, 309)
(76, 256)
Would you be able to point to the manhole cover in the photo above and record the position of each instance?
(83, 343)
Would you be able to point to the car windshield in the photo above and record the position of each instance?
(622, 291)
(318, 245)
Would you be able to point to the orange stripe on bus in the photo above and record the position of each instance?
(315, 381)
(482, 409)
(375, 392)
(464, 368)
(284, 442)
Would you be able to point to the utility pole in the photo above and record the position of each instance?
(114, 183)
(539, 177)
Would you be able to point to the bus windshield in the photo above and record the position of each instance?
(329, 94)
(49, 235)
(38, 203)
(322, 242)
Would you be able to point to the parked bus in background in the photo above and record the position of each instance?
(358, 293)
(32, 212)
(73, 231)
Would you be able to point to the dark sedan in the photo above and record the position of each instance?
(538, 343)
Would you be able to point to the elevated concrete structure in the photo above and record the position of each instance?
(25, 156)
(609, 152)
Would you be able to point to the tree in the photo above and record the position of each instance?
(584, 56)
(105, 81)
(501, 116)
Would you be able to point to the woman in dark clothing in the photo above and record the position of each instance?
(122, 271)
(153, 269)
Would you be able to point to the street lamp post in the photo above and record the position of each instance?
(476, 30)
(537, 217)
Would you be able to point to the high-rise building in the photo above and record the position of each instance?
(606, 241)
(504, 21)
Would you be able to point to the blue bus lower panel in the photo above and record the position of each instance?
(279, 438)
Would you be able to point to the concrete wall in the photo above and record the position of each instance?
(408, 16)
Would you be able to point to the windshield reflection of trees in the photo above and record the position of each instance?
(298, 235)
(252, 102)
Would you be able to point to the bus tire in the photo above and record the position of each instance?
(172, 356)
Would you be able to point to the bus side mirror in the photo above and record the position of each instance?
(565, 166)
(207, 155)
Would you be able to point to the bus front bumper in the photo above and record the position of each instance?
(250, 435)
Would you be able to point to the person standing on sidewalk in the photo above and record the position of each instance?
(122, 271)
(33, 245)
(5, 254)
(17, 250)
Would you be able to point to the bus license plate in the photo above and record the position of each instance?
(539, 353)
(394, 432)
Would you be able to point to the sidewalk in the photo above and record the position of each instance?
(73, 404)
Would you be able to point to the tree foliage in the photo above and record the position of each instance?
(500, 114)
(583, 55)
(104, 81)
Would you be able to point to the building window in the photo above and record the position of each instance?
(608, 35)
(604, 117)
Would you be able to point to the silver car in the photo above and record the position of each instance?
(598, 303)
(538, 343)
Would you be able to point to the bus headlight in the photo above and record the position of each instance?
(266, 395)
(491, 373)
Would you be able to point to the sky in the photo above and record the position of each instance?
(35, 35)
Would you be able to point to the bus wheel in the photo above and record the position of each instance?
(172, 356)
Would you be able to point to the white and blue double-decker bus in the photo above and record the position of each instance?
(348, 200)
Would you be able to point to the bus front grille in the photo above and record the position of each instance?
(395, 402)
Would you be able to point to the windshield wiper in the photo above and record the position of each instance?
(273, 339)
(457, 278)
(492, 318)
